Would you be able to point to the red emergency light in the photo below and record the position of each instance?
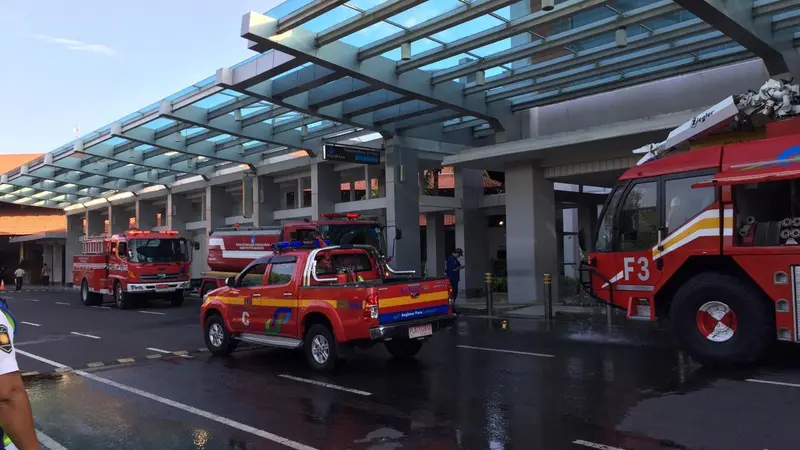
(351, 216)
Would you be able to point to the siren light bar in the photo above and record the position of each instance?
(299, 244)
(351, 216)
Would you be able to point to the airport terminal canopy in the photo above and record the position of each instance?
(446, 70)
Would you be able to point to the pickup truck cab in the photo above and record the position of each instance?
(326, 301)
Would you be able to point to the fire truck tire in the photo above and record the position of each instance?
(89, 298)
(121, 298)
(403, 348)
(218, 339)
(720, 320)
(176, 299)
(321, 348)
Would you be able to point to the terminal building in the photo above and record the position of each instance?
(501, 125)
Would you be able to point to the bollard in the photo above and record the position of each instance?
(548, 296)
(488, 278)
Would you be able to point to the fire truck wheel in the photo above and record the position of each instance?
(176, 299)
(121, 298)
(89, 298)
(321, 348)
(721, 320)
(218, 339)
(403, 348)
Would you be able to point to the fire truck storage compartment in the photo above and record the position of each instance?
(767, 213)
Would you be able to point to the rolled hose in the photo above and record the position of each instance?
(796, 233)
(796, 222)
(750, 220)
(745, 230)
(787, 222)
(786, 233)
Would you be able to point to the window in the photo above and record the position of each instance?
(682, 202)
(342, 262)
(281, 273)
(122, 250)
(605, 230)
(254, 276)
(638, 221)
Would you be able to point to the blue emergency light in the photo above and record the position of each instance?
(300, 244)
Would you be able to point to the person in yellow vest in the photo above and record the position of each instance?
(16, 417)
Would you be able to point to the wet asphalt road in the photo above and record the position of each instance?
(479, 386)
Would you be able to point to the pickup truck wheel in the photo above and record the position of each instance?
(176, 299)
(89, 298)
(121, 298)
(218, 339)
(321, 348)
(721, 320)
(403, 348)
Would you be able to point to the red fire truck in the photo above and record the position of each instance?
(230, 250)
(132, 265)
(709, 237)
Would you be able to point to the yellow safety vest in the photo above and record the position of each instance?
(7, 444)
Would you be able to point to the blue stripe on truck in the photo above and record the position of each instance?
(413, 314)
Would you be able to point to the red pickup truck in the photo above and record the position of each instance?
(327, 301)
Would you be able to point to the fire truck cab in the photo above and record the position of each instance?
(134, 265)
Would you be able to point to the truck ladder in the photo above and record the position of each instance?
(776, 100)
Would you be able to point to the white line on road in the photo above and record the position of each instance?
(84, 335)
(62, 303)
(158, 350)
(31, 299)
(48, 442)
(31, 324)
(779, 383)
(595, 445)
(327, 385)
(543, 355)
(190, 409)
(101, 307)
(152, 312)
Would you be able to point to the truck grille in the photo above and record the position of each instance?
(156, 277)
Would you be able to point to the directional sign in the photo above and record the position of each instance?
(351, 154)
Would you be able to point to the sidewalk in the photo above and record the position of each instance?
(587, 311)
(36, 288)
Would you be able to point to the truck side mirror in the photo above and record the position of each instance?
(230, 282)
(398, 234)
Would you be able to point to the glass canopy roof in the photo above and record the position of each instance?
(449, 70)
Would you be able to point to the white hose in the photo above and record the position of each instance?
(796, 222)
(787, 222)
(786, 233)
(750, 220)
(796, 233)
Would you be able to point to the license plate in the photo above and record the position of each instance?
(419, 331)
(162, 286)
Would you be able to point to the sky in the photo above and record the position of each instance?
(91, 62)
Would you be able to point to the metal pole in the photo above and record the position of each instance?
(548, 296)
(608, 314)
(489, 294)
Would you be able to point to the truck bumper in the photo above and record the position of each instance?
(400, 330)
(172, 286)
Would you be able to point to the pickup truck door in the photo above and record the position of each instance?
(243, 315)
(280, 300)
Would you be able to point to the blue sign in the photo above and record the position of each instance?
(351, 154)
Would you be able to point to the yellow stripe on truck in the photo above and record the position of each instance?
(290, 302)
(407, 300)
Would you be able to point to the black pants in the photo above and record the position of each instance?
(46, 280)
(454, 285)
(19, 282)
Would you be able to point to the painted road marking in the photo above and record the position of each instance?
(31, 324)
(102, 307)
(126, 360)
(190, 409)
(48, 442)
(157, 350)
(84, 335)
(595, 445)
(95, 364)
(62, 303)
(778, 383)
(152, 312)
(153, 356)
(31, 299)
(327, 385)
(543, 355)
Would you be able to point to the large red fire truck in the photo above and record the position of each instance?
(132, 265)
(231, 249)
(709, 237)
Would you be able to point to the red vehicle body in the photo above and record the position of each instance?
(325, 300)
(230, 250)
(132, 265)
(708, 238)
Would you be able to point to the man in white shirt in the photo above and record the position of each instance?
(18, 275)
(16, 417)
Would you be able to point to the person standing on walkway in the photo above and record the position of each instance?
(453, 268)
(45, 275)
(19, 274)
(16, 416)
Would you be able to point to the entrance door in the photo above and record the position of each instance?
(282, 297)
(638, 224)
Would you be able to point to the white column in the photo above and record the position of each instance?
(266, 200)
(146, 215)
(218, 207)
(471, 230)
(325, 189)
(402, 206)
(434, 233)
(531, 243)
(73, 244)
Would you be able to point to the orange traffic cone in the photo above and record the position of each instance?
(2, 285)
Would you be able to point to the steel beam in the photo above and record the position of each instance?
(303, 80)
(13, 198)
(442, 22)
(379, 71)
(106, 151)
(370, 17)
(38, 187)
(339, 91)
(735, 19)
(559, 40)
(307, 13)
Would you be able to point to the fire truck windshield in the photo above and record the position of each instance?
(354, 234)
(157, 250)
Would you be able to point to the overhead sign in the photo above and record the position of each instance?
(350, 154)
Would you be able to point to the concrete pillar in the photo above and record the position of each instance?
(325, 189)
(531, 239)
(402, 206)
(56, 266)
(247, 197)
(434, 233)
(587, 225)
(119, 219)
(179, 211)
(95, 222)
(471, 230)
(73, 244)
(145, 215)
(218, 207)
(266, 200)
